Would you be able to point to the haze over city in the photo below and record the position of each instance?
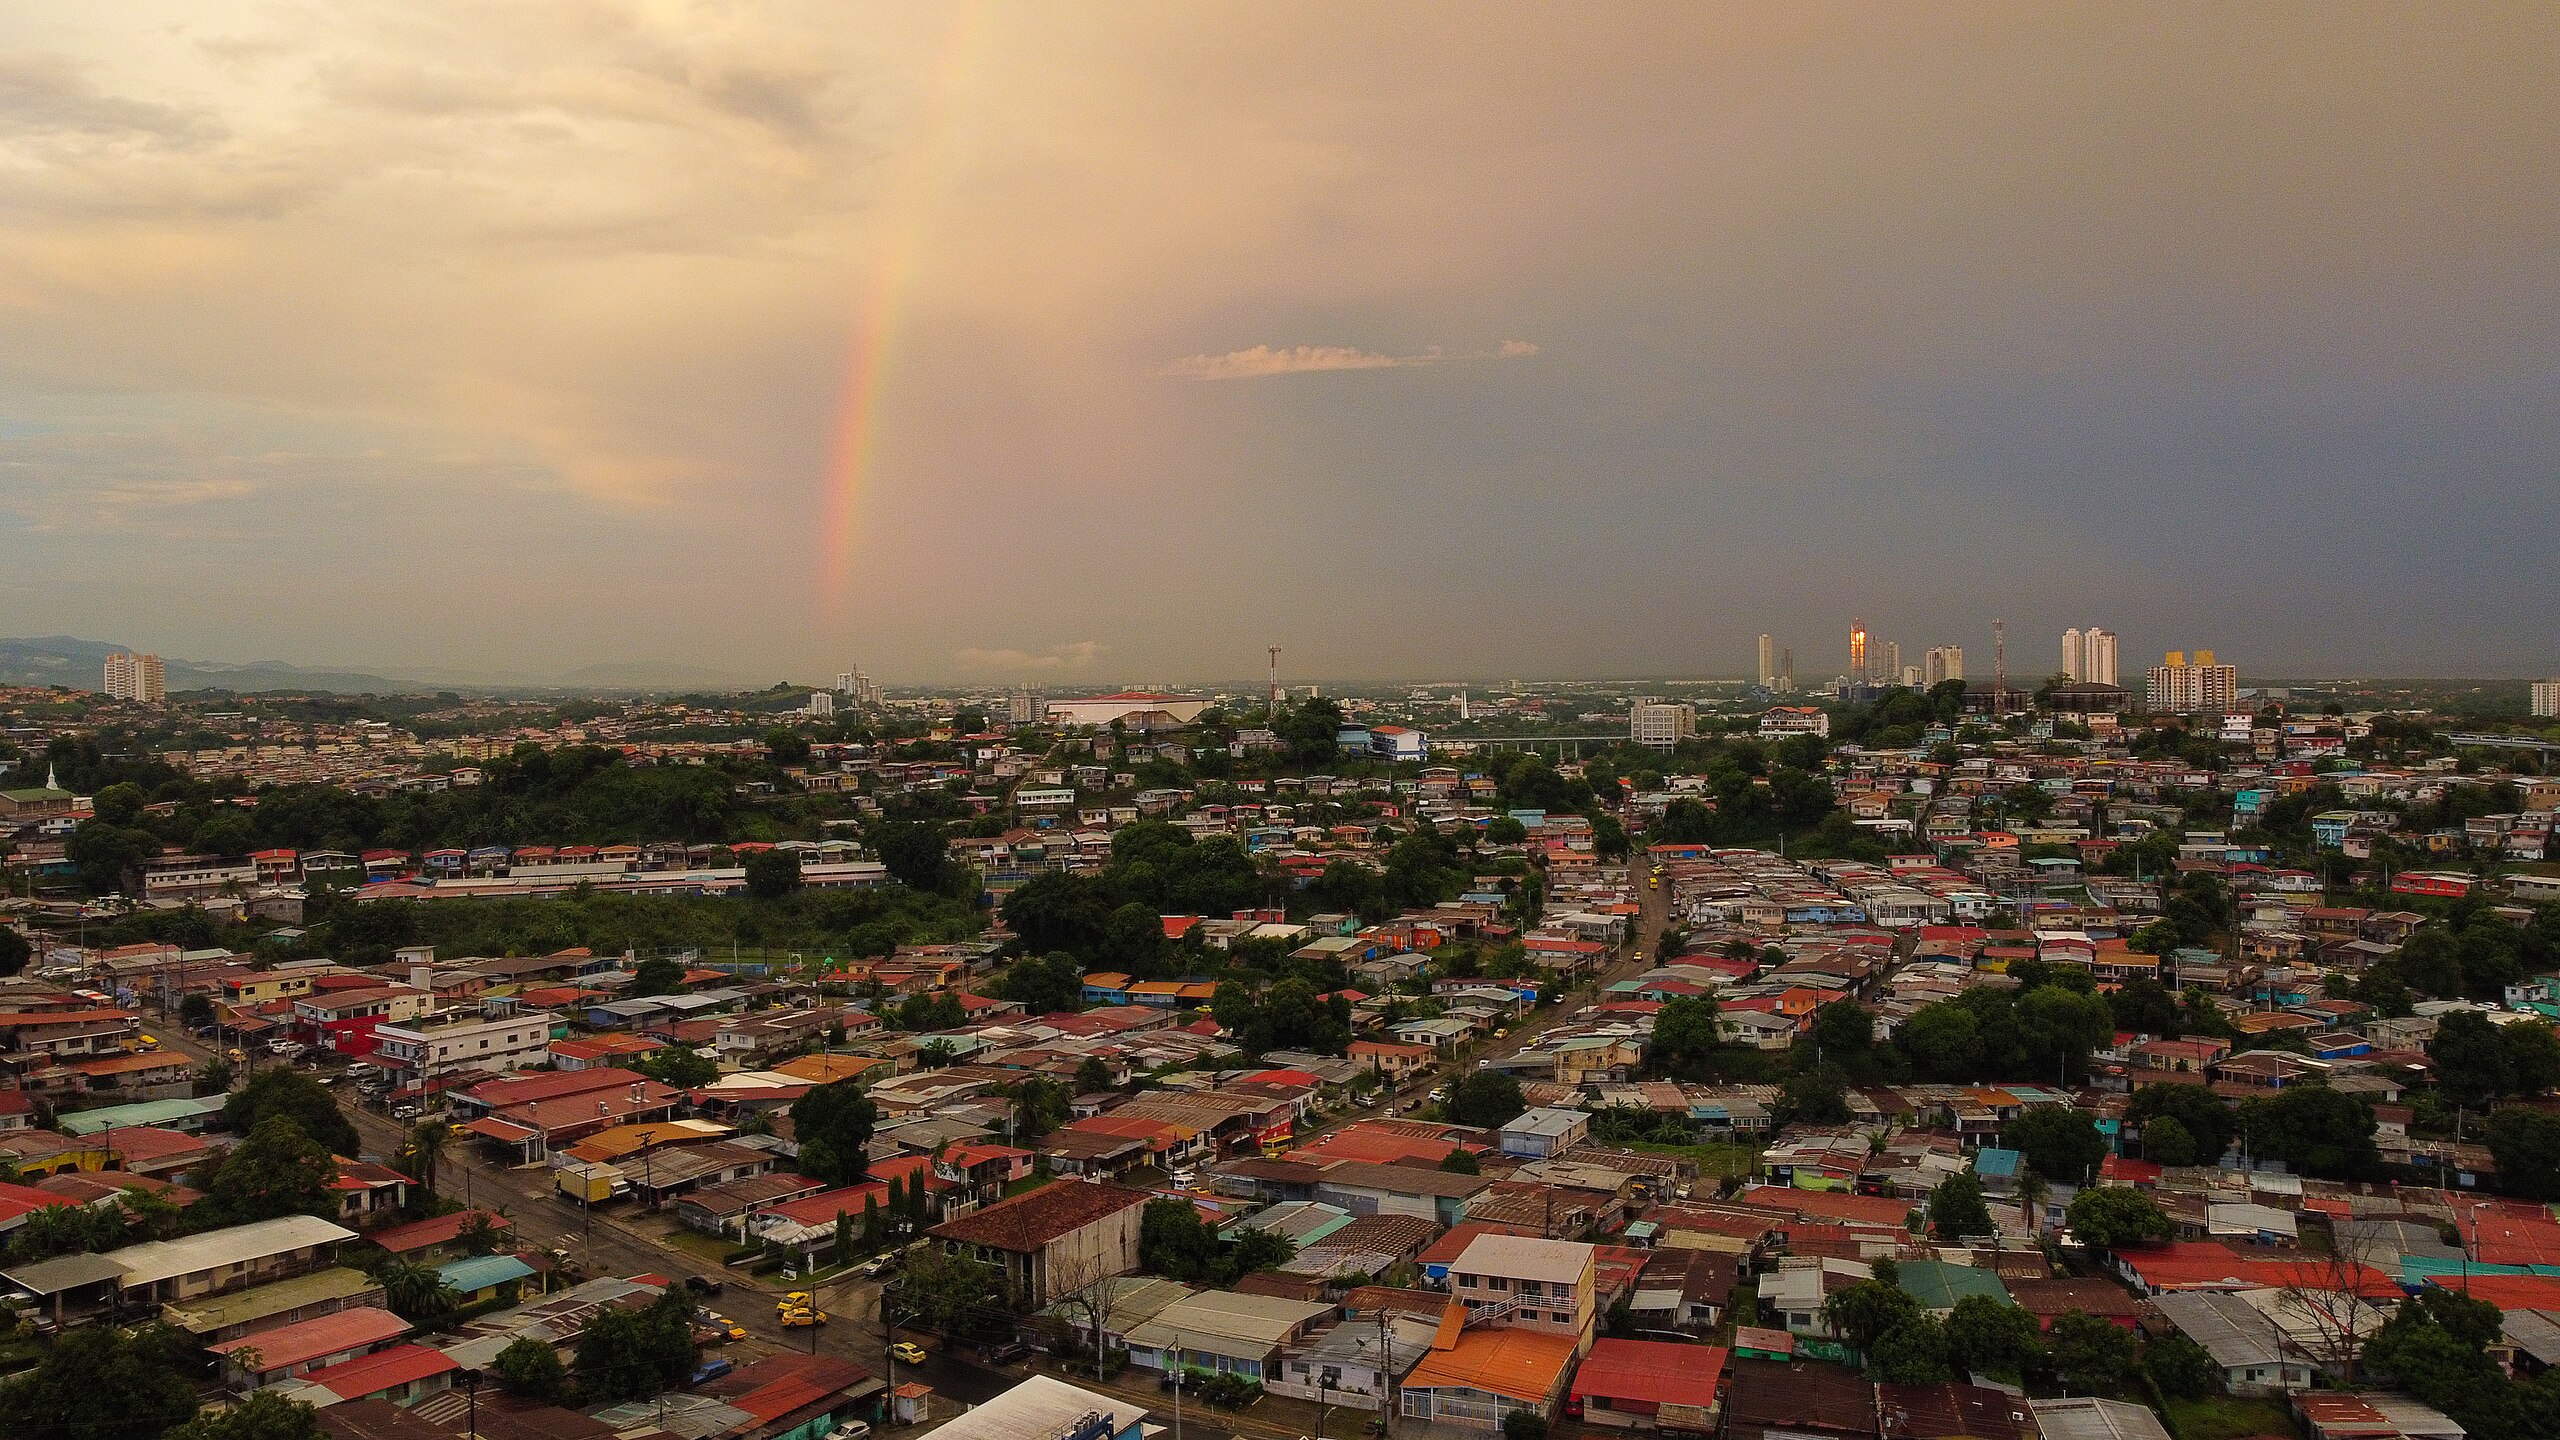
(1007, 343)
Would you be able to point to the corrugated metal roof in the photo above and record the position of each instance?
(157, 1260)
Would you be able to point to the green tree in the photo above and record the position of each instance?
(1174, 1242)
(532, 1369)
(65, 1229)
(1956, 1209)
(1686, 1036)
(834, 1123)
(1505, 830)
(1045, 984)
(15, 952)
(1092, 1076)
(2180, 1367)
(952, 1294)
(1867, 1311)
(2314, 1129)
(657, 975)
(1913, 1353)
(772, 874)
(2058, 1142)
(417, 1294)
(1254, 1249)
(924, 1013)
(916, 852)
(1992, 1337)
(2166, 1142)
(1040, 1105)
(2109, 1216)
(1461, 1162)
(1944, 1042)
(2207, 1121)
(425, 1147)
(100, 1382)
(2471, 1061)
(1524, 1425)
(1485, 1099)
(278, 1090)
(2526, 1144)
(679, 1066)
(2091, 1356)
(1819, 1096)
(634, 1354)
(278, 1170)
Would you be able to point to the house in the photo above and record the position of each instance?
(793, 1396)
(1042, 1408)
(1346, 1364)
(1543, 1132)
(402, 1375)
(1473, 1378)
(2090, 1418)
(1948, 1411)
(306, 1345)
(479, 1278)
(1771, 1399)
(1224, 1332)
(439, 1237)
(2245, 1345)
(1052, 1240)
(1648, 1385)
(1527, 1283)
(167, 1271)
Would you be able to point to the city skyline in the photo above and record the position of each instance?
(1002, 344)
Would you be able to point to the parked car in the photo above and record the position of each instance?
(709, 1370)
(702, 1285)
(907, 1352)
(851, 1430)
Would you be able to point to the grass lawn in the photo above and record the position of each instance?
(2224, 1417)
(1715, 1162)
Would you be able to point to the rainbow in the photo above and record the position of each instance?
(855, 443)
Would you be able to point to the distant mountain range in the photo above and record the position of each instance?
(81, 664)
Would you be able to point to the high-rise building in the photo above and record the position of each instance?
(1768, 664)
(1892, 660)
(857, 687)
(1787, 671)
(1913, 677)
(1857, 652)
(1946, 662)
(822, 702)
(136, 677)
(2075, 656)
(2546, 699)
(2180, 687)
(2098, 650)
(1023, 708)
(1660, 723)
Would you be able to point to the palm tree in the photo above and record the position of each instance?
(2031, 1192)
(416, 1293)
(426, 1146)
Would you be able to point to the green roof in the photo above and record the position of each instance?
(1938, 1285)
(39, 793)
(203, 1317)
(146, 1112)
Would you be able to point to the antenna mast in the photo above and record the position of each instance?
(1999, 669)
(1273, 710)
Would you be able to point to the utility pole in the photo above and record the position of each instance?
(1386, 1372)
(1271, 711)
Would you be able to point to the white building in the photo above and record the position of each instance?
(2546, 698)
(1137, 708)
(452, 1040)
(136, 677)
(1784, 720)
(1768, 664)
(1946, 662)
(1661, 724)
(2181, 688)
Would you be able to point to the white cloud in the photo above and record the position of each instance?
(1262, 360)
(1076, 656)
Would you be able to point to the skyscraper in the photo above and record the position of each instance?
(1893, 661)
(2098, 650)
(2075, 656)
(2546, 699)
(1857, 652)
(135, 677)
(1768, 664)
(2179, 687)
(1946, 662)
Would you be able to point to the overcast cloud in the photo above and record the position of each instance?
(520, 336)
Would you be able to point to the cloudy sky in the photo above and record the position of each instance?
(1100, 342)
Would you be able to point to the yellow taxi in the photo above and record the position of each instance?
(800, 1317)
(907, 1353)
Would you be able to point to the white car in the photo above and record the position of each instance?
(851, 1430)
